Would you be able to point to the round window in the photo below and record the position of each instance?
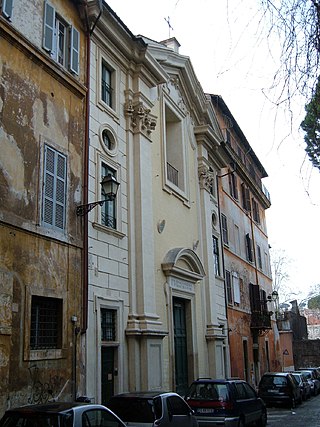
(108, 141)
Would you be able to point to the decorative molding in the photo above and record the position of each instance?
(206, 177)
(141, 119)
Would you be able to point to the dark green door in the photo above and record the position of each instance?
(107, 374)
(180, 345)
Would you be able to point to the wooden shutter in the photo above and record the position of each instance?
(7, 6)
(49, 27)
(74, 50)
(54, 191)
(255, 298)
(249, 248)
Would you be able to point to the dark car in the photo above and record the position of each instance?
(228, 402)
(314, 376)
(304, 384)
(61, 415)
(279, 388)
(152, 408)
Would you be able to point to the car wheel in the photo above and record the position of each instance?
(262, 422)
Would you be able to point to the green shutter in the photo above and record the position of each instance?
(49, 26)
(7, 7)
(74, 50)
(54, 190)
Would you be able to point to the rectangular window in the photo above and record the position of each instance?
(233, 185)
(106, 84)
(175, 167)
(61, 39)
(229, 287)
(245, 195)
(216, 257)
(46, 323)
(109, 208)
(7, 7)
(259, 257)
(108, 324)
(249, 248)
(237, 244)
(255, 211)
(224, 226)
(236, 288)
(54, 189)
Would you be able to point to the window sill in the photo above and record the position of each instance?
(52, 353)
(108, 230)
(108, 110)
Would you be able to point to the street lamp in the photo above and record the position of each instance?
(109, 186)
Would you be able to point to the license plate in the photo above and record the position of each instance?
(205, 411)
(273, 391)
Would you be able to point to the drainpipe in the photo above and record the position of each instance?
(224, 274)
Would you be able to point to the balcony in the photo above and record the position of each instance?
(260, 320)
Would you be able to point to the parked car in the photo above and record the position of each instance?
(61, 414)
(228, 402)
(312, 375)
(279, 388)
(150, 409)
(304, 384)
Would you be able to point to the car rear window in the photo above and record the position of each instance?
(133, 409)
(276, 380)
(208, 391)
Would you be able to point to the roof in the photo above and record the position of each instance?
(219, 102)
(141, 394)
(52, 407)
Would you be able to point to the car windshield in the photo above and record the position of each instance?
(208, 391)
(133, 409)
(30, 420)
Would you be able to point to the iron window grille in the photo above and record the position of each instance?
(108, 209)
(46, 323)
(108, 324)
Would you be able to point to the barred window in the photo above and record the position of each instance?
(216, 255)
(109, 208)
(46, 323)
(108, 324)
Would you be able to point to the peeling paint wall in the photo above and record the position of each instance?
(40, 103)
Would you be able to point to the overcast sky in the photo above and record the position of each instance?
(232, 56)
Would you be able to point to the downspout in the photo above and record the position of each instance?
(224, 273)
(84, 317)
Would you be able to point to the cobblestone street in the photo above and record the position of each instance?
(305, 415)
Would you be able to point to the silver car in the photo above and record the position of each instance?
(152, 408)
(61, 414)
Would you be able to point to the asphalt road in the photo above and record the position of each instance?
(305, 415)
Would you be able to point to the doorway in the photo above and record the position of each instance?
(107, 373)
(180, 345)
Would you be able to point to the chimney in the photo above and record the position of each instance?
(172, 43)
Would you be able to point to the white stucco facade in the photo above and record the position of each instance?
(156, 308)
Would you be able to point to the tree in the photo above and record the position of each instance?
(311, 127)
(297, 22)
(279, 267)
(314, 302)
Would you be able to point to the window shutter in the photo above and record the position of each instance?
(236, 288)
(54, 192)
(249, 248)
(74, 50)
(255, 298)
(7, 7)
(49, 26)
